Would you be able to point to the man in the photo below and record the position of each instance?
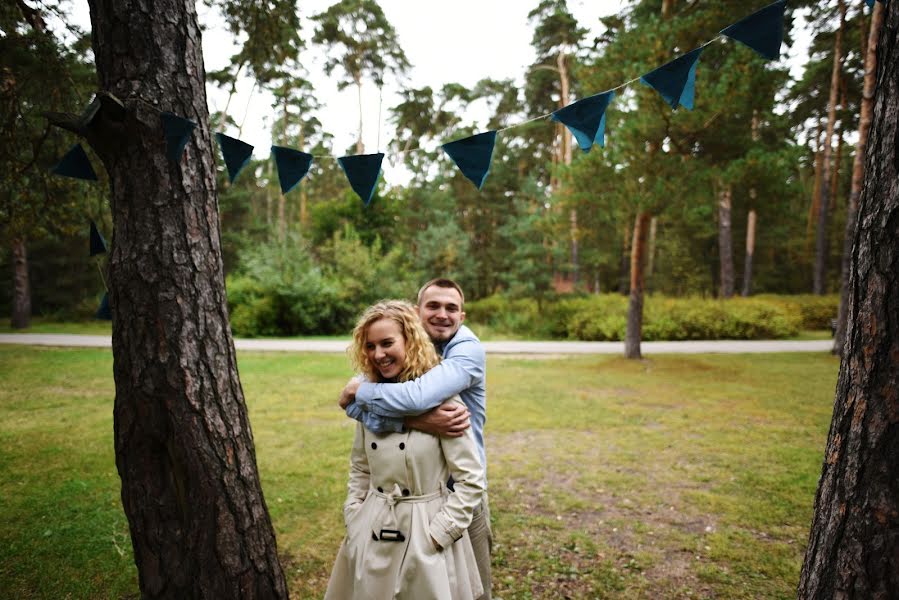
(386, 407)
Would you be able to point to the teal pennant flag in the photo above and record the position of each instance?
(870, 3)
(177, 133)
(676, 80)
(236, 153)
(763, 30)
(103, 311)
(75, 164)
(363, 172)
(98, 244)
(292, 166)
(586, 119)
(473, 155)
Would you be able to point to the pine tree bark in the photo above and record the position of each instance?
(853, 549)
(725, 241)
(184, 449)
(21, 295)
(624, 270)
(750, 251)
(819, 283)
(858, 170)
(634, 332)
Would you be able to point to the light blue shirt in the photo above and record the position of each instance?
(463, 371)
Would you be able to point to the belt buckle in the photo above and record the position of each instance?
(391, 535)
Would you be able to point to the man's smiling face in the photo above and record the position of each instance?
(441, 312)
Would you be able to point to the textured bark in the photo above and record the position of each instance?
(853, 549)
(651, 250)
(635, 303)
(624, 270)
(184, 450)
(750, 252)
(21, 293)
(819, 283)
(725, 241)
(858, 170)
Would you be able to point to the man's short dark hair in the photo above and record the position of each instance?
(441, 282)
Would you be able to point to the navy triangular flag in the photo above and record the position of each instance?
(292, 166)
(870, 3)
(103, 312)
(472, 155)
(676, 80)
(177, 133)
(98, 244)
(236, 153)
(75, 164)
(363, 172)
(763, 30)
(586, 119)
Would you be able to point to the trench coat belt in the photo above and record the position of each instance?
(386, 518)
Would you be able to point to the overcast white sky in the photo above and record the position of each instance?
(461, 43)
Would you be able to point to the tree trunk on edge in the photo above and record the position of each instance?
(21, 294)
(853, 549)
(821, 240)
(635, 303)
(725, 241)
(858, 170)
(184, 449)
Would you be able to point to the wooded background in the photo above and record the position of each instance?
(746, 194)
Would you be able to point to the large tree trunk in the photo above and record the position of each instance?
(624, 268)
(821, 240)
(725, 240)
(853, 549)
(858, 170)
(635, 303)
(184, 450)
(651, 252)
(750, 252)
(21, 292)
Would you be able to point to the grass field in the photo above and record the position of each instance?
(674, 477)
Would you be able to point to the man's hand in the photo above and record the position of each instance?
(449, 419)
(348, 394)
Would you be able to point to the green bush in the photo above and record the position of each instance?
(604, 317)
(815, 311)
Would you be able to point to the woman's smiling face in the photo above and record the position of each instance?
(386, 347)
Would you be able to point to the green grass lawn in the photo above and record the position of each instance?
(678, 476)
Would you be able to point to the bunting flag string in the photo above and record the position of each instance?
(98, 244)
(292, 165)
(675, 81)
(473, 155)
(586, 119)
(363, 172)
(177, 133)
(763, 30)
(75, 164)
(236, 154)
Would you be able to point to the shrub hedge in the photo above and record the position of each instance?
(604, 317)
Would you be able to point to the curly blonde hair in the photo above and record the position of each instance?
(420, 353)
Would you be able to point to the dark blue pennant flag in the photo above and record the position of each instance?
(103, 312)
(177, 133)
(472, 155)
(586, 119)
(363, 172)
(236, 153)
(75, 164)
(676, 80)
(292, 166)
(870, 3)
(98, 244)
(763, 30)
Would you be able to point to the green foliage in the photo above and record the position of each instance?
(604, 317)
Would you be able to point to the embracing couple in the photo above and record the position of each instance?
(418, 525)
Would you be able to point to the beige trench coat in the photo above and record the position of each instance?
(397, 501)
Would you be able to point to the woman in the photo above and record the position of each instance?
(407, 533)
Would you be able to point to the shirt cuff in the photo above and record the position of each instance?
(444, 532)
